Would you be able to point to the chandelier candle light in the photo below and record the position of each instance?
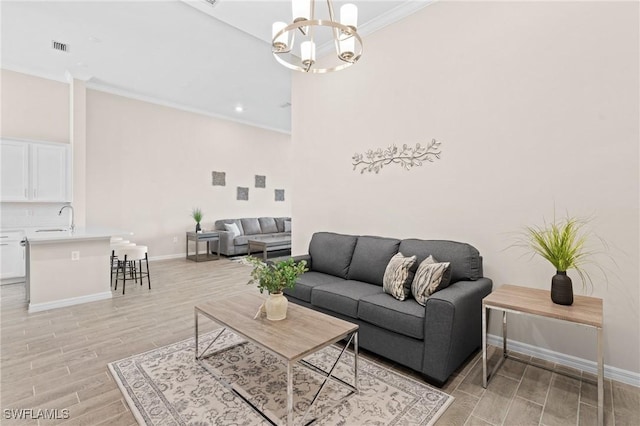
(343, 34)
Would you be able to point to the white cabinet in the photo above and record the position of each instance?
(15, 171)
(12, 255)
(33, 171)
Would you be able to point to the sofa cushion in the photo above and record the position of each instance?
(343, 297)
(331, 253)
(287, 226)
(466, 263)
(430, 277)
(280, 223)
(404, 317)
(219, 224)
(233, 228)
(397, 277)
(251, 226)
(268, 225)
(307, 281)
(370, 258)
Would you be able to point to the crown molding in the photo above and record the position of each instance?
(94, 85)
(60, 78)
(102, 87)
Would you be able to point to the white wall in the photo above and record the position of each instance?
(149, 165)
(536, 106)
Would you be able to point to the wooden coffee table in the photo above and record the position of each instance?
(302, 333)
(277, 243)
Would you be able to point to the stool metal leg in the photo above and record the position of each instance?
(124, 274)
(146, 259)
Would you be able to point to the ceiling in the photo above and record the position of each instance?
(187, 54)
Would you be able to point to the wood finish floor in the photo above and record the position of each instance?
(58, 359)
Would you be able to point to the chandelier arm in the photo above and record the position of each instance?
(320, 23)
(336, 31)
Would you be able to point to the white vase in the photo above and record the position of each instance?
(276, 307)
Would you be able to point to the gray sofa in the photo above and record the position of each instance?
(345, 280)
(250, 229)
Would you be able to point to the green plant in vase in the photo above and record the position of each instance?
(196, 214)
(564, 243)
(274, 278)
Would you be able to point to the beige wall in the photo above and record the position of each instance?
(536, 105)
(33, 108)
(148, 165)
(141, 167)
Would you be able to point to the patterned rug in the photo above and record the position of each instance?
(166, 386)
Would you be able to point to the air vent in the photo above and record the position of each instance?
(56, 45)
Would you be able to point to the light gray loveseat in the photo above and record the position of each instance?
(250, 229)
(345, 280)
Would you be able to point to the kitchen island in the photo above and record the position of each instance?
(66, 268)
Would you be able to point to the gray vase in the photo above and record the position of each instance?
(561, 289)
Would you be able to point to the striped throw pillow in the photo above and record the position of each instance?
(397, 278)
(430, 277)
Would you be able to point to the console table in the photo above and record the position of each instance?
(207, 237)
(585, 311)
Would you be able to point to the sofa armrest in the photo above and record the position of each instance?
(302, 257)
(453, 326)
(226, 243)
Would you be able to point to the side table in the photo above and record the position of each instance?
(585, 311)
(207, 237)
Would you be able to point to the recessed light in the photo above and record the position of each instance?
(239, 108)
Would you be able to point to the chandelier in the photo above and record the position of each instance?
(310, 30)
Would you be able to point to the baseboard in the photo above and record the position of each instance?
(167, 257)
(37, 307)
(613, 373)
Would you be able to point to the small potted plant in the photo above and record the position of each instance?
(196, 214)
(564, 244)
(275, 277)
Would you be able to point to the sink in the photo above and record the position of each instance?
(52, 230)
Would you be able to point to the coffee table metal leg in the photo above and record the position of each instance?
(355, 361)
(195, 313)
(289, 393)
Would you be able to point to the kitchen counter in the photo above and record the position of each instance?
(66, 268)
(42, 236)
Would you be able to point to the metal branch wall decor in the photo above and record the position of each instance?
(406, 156)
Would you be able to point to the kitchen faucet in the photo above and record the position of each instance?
(73, 224)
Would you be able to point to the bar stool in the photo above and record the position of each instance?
(115, 243)
(126, 258)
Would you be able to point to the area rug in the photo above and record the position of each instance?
(166, 386)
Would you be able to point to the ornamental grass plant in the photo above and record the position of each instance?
(196, 214)
(565, 244)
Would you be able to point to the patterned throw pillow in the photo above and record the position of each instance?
(233, 228)
(430, 277)
(397, 278)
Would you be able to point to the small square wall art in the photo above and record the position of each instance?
(243, 193)
(279, 194)
(218, 178)
(261, 181)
